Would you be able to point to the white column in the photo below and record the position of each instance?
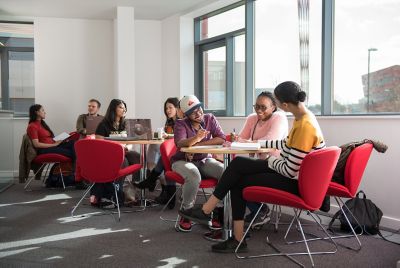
(125, 57)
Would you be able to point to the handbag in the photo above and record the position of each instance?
(365, 212)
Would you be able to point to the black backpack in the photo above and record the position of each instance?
(364, 210)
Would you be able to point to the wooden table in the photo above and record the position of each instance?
(227, 152)
(143, 161)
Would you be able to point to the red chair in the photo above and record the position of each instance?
(354, 170)
(313, 180)
(168, 149)
(46, 160)
(100, 161)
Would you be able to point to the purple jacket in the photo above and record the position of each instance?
(183, 129)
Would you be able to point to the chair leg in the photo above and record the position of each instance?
(116, 198)
(166, 205)
(34, 175)
(86, 192)
(341, 204)
(288, 255)
(270, 244)
(62, 177)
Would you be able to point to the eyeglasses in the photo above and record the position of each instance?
(261, 107)
(198, 110)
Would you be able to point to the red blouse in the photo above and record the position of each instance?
(35, 130)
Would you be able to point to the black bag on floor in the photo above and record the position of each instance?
(54, 180)
(364, 210)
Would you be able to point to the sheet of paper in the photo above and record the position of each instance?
(61, 137)
(245, 145)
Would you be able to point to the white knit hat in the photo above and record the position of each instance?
(189, 103)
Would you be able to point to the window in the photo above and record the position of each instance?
(17, 67)
(288, 46)
(217, 25)
(220, 60)
(367, 58)
(344, 54)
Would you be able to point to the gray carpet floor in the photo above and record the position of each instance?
(36, 230)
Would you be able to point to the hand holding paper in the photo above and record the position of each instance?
(61, 136)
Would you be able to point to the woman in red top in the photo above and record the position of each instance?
(42, 136)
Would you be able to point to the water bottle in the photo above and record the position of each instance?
(233, 136)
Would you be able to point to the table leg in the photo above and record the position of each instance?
(143, 172)
(226, 232)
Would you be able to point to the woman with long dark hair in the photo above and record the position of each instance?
(113, 123)
(172, 113)
(42, 136)
(274, 172)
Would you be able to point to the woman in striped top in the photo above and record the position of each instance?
(275, 172)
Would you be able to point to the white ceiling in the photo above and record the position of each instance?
(98, 9)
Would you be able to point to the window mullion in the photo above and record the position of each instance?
(327, 57)
(230, 59)
(249, 56)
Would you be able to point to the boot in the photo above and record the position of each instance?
(150, 182)
(171, 189)
(163, 197)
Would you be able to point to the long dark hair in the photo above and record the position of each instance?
(173, 101)
(270, 96)
(290, 92)
(33, 117)
(109, 118)
(170, 121)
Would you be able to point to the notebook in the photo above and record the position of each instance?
(139, 128)
(92, 122)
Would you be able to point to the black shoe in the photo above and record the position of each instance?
(150, 182)
(229, 246)
(196, 214)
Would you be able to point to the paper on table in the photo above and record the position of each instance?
(61, 137)
(207, 146)
(245, 145)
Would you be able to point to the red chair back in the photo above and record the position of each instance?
(355, 166)
(99, 160)
(167, 150)
(315, 174)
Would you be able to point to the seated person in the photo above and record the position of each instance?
(267, 123)
(42, 136)
(274, 172)
(93, 109)
(172, 113)
(196, 129)
(113, 123)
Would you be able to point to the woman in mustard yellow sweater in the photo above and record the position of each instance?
(275, 172)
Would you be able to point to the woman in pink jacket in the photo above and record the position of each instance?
(267, 123)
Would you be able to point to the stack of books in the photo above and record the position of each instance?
(245, 146)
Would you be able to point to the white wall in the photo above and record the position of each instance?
(148, 65)
(171, 57)
(381, 181)
(74, 62)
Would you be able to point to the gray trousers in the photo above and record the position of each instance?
(192, 173)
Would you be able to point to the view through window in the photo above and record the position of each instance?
(17, 67)
(367, 58)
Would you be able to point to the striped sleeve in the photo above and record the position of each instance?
(289, 166)
(276, 144)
